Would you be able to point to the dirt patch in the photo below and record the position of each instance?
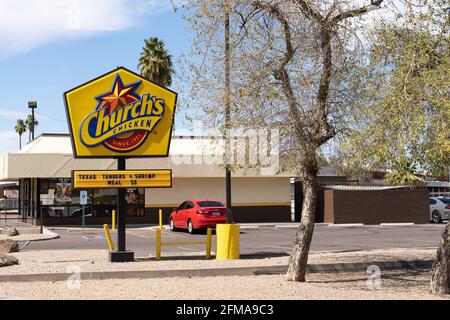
(58, 261)
(394, 285)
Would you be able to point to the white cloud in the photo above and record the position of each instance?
(393, 11)
(9, 141)
(7, 136)
(10, 114)
(26, 24)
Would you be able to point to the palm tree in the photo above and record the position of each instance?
(155, 62)
(20, 129)
(31, 125)
(405, 173)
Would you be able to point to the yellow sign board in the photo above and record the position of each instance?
(104, 179)
(120, 114)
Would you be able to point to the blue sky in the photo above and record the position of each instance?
(48, 47)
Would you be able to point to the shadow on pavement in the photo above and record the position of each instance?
(245, 256)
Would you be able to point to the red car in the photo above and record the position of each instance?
(198, 214)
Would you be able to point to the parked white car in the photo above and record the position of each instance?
(439, 209)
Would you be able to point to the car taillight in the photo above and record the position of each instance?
(448, 206)
(201, 212)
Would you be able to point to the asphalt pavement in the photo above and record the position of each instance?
(262, 240)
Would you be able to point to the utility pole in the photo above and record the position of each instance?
(227, 111)
(32, 105)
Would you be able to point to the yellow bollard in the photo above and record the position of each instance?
(158, 244)
(227, 237)
(208, 243)
(114, 219)
(108, 237)
(160, 219)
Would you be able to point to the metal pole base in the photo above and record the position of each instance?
(121, 256)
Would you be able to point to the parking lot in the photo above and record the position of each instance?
(256, 240)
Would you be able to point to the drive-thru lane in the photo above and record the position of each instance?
(260, 240)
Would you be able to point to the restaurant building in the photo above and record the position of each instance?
(43, 169)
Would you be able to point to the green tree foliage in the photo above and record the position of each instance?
(292, 65)
(405, 111)
(20, 129)
(155, 63)
(31, 125)
(405, 173)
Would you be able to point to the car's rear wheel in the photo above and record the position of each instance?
(436, 216)
(190, 226)
(172, 225)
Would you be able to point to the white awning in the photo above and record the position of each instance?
(50, 156)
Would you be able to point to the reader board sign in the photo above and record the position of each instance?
(120, 114)
(104, 179)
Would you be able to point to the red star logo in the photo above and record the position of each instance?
(119, 95)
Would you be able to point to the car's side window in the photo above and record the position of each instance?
(181, 207)
(189, 205)
(432, 201)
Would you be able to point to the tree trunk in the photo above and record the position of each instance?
(20, 142)
(302, 241)
(440, 271)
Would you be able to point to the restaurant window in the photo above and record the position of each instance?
(135, 202)
(56, 197)
(105, 197)
(59, 200)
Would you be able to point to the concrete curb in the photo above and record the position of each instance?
(345, 225)
(236, 271)
(49, 234)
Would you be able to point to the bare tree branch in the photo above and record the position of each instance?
(309, 12)
(280, 73)
(324, 87)
(375, 4)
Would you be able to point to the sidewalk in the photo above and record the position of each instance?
(31, 234)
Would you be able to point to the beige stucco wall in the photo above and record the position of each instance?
(245, 191)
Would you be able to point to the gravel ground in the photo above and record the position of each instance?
(394, 285)
(57, 261)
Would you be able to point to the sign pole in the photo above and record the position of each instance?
(121, 165)
(121, 255)
(84, 221)
(42, 220)
(83, 202)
